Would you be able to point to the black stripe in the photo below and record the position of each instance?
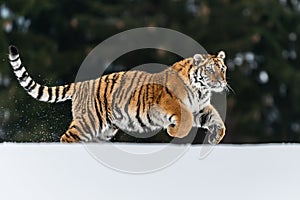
(142, 92)
(118, 94)
(182, 67)
(130, 123)
(144, 101)
(171, 117)
(40, 92)
(149, 119)
(77, 128)
(85, 136)
(190, 67)
(73, 135)
(98, 114)
(153, 89)
(130, 86)
(117, 90)
(117, 110)
(187, 88)
(120, 91)
(28, 85)
(92, 90)
(91, 110)
(206, 100)
(166, 86)
(32, 87)
(204, 118)
(146, 97)
(189, 94)
(65, 90)
(148, 87)
(83, 128)
(78, 89)
(158, 93)
(134, 89)
(92, 119)
(99, 96)
(137, 87)
(14, 60)
(175, 66)
(50, 93)
(83, 90)
(145, 92)
(86, 126)
(105, 101)
(115, 76)
(199, 94)
(138, 116)
(57, 93)
(203, 95)
(23, 76)
(97, 101)
(19, 68)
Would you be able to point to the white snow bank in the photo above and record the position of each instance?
(69, 172)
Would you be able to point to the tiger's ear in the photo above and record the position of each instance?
(221, 54)
(197, 59)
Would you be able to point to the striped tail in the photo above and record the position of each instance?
(37, 91)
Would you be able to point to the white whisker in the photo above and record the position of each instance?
(228, 88)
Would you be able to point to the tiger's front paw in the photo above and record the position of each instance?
(216, 134)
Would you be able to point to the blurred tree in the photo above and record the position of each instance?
(259, 37)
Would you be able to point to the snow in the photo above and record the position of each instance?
(69, 172)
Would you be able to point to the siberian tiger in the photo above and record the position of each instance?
(135, 101)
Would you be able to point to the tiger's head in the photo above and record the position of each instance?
(210, 71)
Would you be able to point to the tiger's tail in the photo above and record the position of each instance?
(40, 92)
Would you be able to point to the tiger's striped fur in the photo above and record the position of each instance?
(135, 101)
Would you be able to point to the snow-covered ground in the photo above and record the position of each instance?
(69, 172)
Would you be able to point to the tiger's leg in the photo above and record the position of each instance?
(182, 122)
(179, 118)
(210, 119)
(73, 134)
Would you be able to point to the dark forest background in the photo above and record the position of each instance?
(260, 38)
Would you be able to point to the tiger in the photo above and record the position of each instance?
(176, 99)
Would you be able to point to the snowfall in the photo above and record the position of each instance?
(105, 171)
